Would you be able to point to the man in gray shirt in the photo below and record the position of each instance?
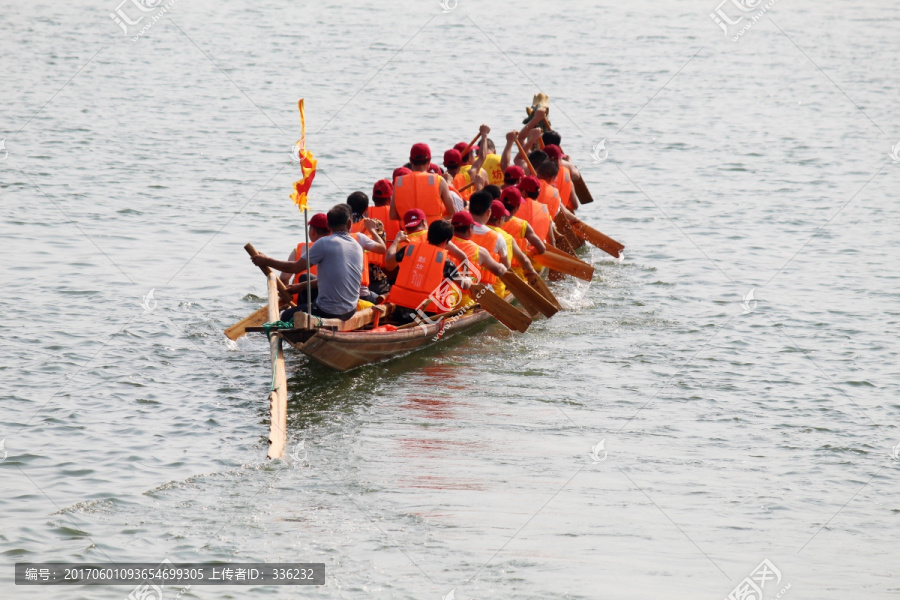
(338, 258)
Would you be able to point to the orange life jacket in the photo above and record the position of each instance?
(517, 228)
(360, 227)
(488, 241)
(419, 190)
(459, 182)
(298, 253)
(550, 196)
(421, 275)
(565, 186)
(467, 246)
(391, 226)
(537, 215)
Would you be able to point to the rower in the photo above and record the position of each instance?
(365, 231)
(421, 189)
(414, 232)
(549, 195)
(484, 236)
(512, 176)
(520, 261)
(521, 231)
(552, 138)
(563, 181)
(453, 161)
(318, 228)
(339, 260)
(536, 213)
(492, 164)
(477, 256)
(424, 282)
(381, 196)
(472, 159)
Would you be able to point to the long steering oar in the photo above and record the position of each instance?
(261, 316)
(527, 295)
(504, 312)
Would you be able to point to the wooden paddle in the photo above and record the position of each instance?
(470, 144)
(538, 283)
(564, 226)
(239, 329)
(564, 264)
(504, 312)
(278, 397)
(562, 243)
(467, 186)
(525, 155)
(527, 295)
(604, 242)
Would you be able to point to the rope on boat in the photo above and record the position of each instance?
(274, 326)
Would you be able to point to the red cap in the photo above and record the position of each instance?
(460, 147)
(511, 196)
(319, 221)
(382, 189)
(413, 217)
(420, 152)
(433, 168)
(513, 172)
(498, 210)
(452, 158)
(462, 219)
(400, 172)
(529, 185)
(473, 151)
(554, 152)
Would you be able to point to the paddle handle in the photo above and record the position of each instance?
(467, 186)
(525, 156)
(282, 289)
(470, 144)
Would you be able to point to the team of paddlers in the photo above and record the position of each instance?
(466, 223)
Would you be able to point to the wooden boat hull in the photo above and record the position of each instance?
(345, 350)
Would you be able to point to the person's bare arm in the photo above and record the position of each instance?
(568, 214)
(506, 157)
(523, 260)
(533, 239)
(372, 226)
(298, 266)
(286, 277)
(487, 261)
(449, 207)
(536, 117)
(484, 130)
(393, 211)
(298, 288)
(390, 259)
(573, 170)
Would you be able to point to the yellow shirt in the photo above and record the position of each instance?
(492, 167)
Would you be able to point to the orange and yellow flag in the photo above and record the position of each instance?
(307, 165)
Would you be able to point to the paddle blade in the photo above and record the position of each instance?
(504, 312)
(239, 329)
(564, 226)
(526, 294)
(604, 242)
(582, 191)
(540, 285)
(565, 264)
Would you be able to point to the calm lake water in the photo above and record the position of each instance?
(734, 428)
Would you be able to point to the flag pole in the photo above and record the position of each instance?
(308, 282)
